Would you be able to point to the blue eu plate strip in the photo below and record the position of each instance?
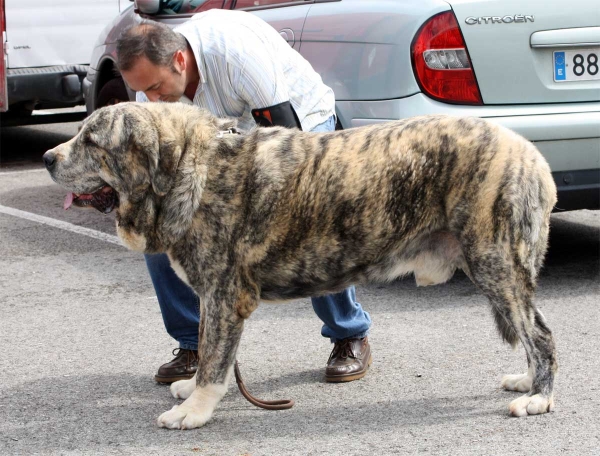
(560, 70)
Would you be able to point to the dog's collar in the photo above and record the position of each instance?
(229, 131)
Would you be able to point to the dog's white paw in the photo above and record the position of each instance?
(521, 382)
(531, 405)
(185, 417)
(183, 388)
(197, 409)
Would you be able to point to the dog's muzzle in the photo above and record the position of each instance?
(105, 199)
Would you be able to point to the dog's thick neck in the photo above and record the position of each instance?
(155, 219)
(136, 225)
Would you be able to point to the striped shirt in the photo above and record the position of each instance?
(245, 64)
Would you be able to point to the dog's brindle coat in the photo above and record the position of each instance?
(278, 214)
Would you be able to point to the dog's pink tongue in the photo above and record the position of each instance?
(68, 200)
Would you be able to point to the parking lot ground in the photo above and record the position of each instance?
(81, 337)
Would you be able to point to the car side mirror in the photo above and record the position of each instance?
(147, 6)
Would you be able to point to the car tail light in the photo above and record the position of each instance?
(441, 62)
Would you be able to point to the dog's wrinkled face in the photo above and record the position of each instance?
(114, 156)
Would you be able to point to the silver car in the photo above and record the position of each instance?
(532, 66)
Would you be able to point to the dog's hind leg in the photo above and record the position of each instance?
(221, 325)
(509, 283)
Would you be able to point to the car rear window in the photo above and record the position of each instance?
(188, 6)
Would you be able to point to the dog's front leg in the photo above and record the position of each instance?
(221, 323)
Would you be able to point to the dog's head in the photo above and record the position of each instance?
(126, 156)
(118, 152)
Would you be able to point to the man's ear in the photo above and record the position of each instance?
(179, 62)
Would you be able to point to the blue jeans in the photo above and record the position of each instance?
(341, 314)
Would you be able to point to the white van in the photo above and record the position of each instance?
(47, 48)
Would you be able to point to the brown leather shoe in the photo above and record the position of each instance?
(183, 367)
(349, 360)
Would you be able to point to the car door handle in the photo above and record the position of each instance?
(583, 36)
(288, 35)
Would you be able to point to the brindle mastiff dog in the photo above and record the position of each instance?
(278, 214)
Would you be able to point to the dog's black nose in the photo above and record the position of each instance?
(49, 160)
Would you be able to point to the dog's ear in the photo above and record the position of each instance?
(162, 150)
(163, 165)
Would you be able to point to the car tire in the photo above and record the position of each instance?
(111, 93)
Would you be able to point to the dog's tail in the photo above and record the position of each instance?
(505, 328)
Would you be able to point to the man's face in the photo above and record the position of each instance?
(157, 82)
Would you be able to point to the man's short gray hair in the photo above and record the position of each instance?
(153, 40)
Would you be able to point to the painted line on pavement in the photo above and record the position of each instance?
(25, 171)
(61, 225)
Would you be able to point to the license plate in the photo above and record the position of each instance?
(577, 65)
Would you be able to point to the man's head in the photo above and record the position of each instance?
(155, 60)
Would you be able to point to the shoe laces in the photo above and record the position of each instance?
(191, 355)
(342, 349)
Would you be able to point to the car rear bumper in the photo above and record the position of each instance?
(578, 189)
(47, 87)
(568, 135)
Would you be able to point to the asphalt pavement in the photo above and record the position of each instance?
(81, 337)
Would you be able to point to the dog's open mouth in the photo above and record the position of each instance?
(105, 200)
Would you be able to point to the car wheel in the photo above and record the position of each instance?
(111, 93)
